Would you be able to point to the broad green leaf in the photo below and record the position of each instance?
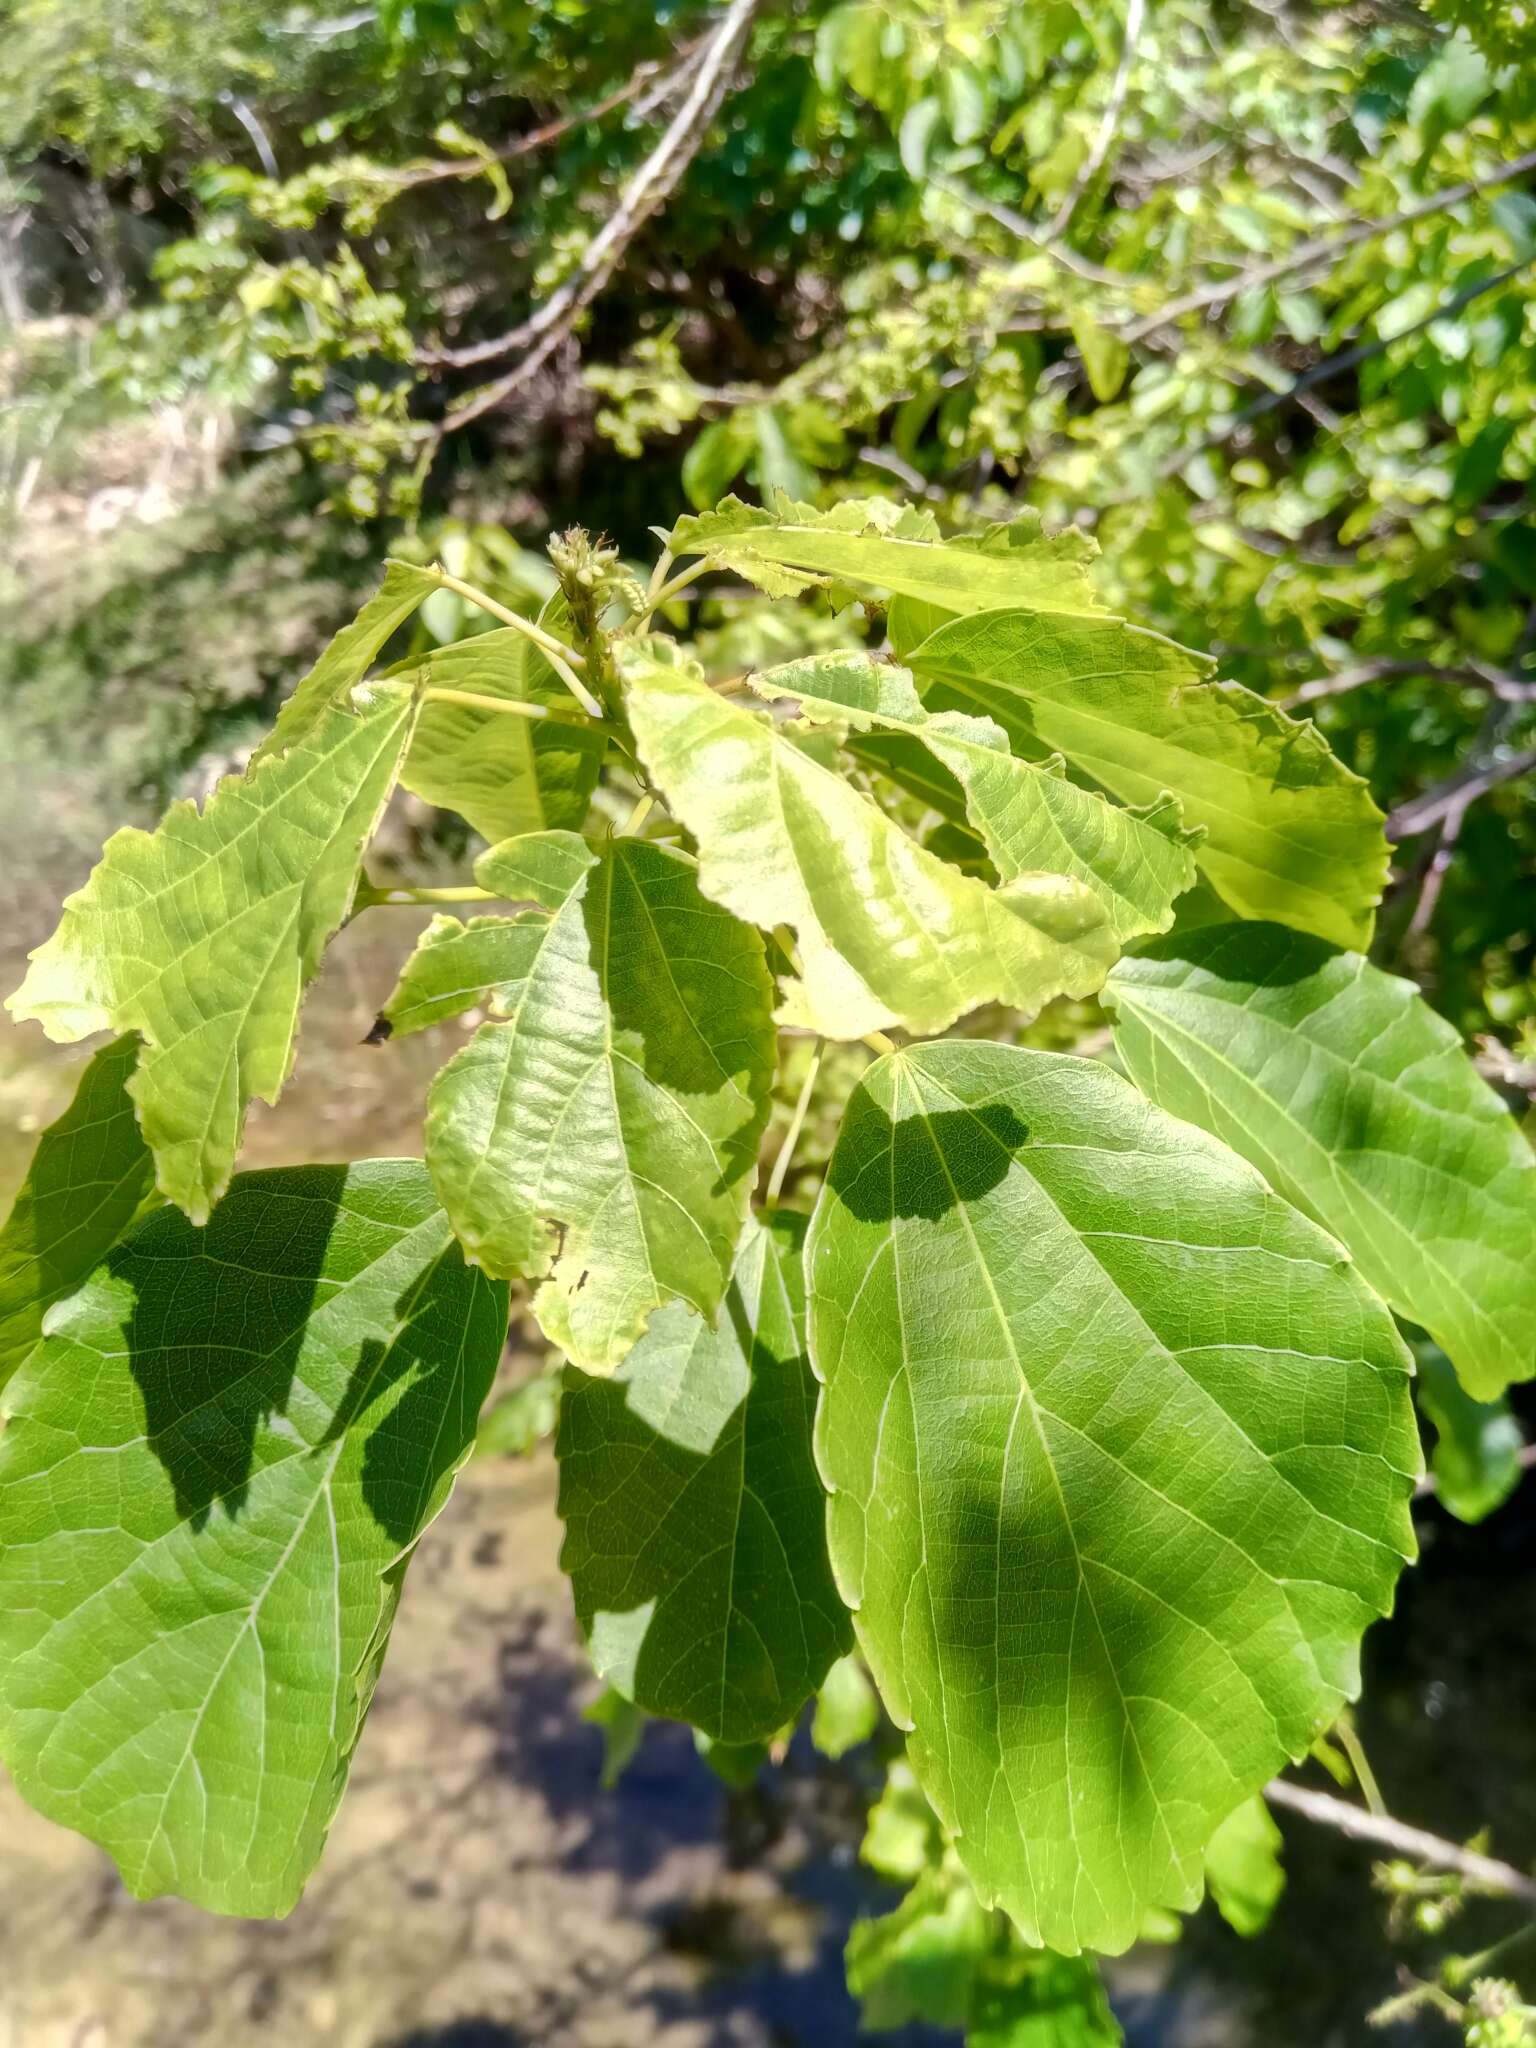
(1291, 833)
(1030, 817)
(736, 1764)
(1120, 1449)
(869, 544)
(847, 1708)
(91, 1179)
(695, 1531)
(213, 1472)
(203, 934)
(888, 933)
(609, 1114)
(1243, 1869)
(504, 775)
(1356, 1101)
(1476, 1457)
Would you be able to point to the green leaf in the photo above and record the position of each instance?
(622, 1725)
(202, 935)
(522, 1419)
(1120, 1449)
(695, 1534)
(888, 933)
(847, 1708)
(920, 1961)
(1032, 819)
(1105, 357)
(212, 1476)
(503, 775)
(718, 457)
(609, 1114)
(456, 967)
(1476, 1458)
(903, 1837)
(1042, 2001)
(1357, 1102)
(1243, 1868)
(91, 1179)
(943, 1958)
(1291, 833)
(869, 544)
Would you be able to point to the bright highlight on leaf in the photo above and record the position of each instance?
(869, 545)
(609, 1116)
(214, 1471)
(887, 933)
(1355, 1100)
(1030, 817)
(1290, 833)
(695, 1524)
(90, 1180)
(1120, 1451)
(203, 934)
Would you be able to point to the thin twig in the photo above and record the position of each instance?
(1507, 689)
(649, 189)
(666, 70)
(1419, 813)
(1323, 248)
(796, 1125)
(1487, 1873)
(1093, 163)
(1349, 359)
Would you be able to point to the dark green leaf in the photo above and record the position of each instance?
(695, 1530)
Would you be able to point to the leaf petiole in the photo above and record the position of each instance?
(562, 659)
(474, 700)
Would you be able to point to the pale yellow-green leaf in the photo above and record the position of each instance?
(887, 933)
(202, 934)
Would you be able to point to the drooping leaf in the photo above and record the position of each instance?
(903, 1836)
(695, 1531)
(1290, 832)
(608, 1115)
(1476, 1456)
(887, 932)
(1243, 1867)
(202, 935)
(90, 1181)
(1120, 1448)
(622, 1725)
(869, 544)
(456, 966)
(1357, 1102)
(214, 1470)
(1030, 817)
(847, 1708)
(504, 775)
(1029, 2000)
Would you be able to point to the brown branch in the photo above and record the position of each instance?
(1486, 1873)
(650, 188)
(655, 68)
(1323, 248)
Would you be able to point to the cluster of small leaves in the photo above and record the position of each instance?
(1077, 1402)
